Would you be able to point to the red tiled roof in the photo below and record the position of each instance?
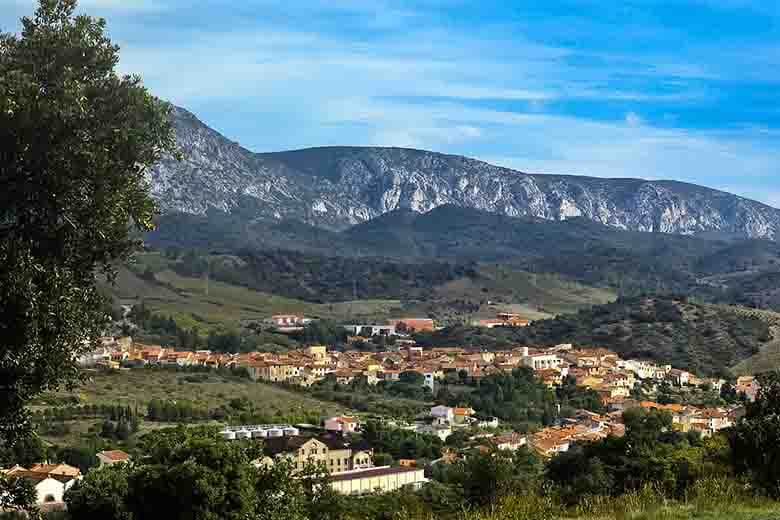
(115, 455)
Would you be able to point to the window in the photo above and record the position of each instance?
(49, 498)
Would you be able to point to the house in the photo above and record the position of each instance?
(443, 412)
(182, 359)
(318, 352)
(332, 452)
(342, 424)
(749, 386)
(437, 430)
(274, 371)
(409, 325)
(51, 481)
(462, 415)
(510, 441)
(288, 320)
(380, 479)
(542, 361)
(369, 331)
(108, 458)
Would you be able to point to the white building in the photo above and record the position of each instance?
(542, 361)
(342, 424)
(443, 412)
(380, 479)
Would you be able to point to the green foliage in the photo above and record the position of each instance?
(17, 495)
(322, 278)
(76, 140)
(518, 397)
(101, 495)
(705, 339)
(755, 441)
(401, 444)
(484, 478)
(194, 475)
(25, 451)
(651, 453)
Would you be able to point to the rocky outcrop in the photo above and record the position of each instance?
(337, 187)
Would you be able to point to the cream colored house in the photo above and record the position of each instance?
(332, 452)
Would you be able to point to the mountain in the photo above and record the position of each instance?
(338, 187)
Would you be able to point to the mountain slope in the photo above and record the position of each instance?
(706, 339)
(341, 186)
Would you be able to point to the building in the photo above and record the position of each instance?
(51, 481)
(462, 415)
(443, 412)
(542, 361)
(381, 479)
(288, 320)
(409, 325)
(369, 331)
(108, 458)
(342, 424)
(332, 452)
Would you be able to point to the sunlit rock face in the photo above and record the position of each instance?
(342, 186)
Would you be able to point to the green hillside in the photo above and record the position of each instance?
(704, 338)
(717, 269)
(480, 291)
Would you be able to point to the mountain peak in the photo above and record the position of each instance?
(340, 186)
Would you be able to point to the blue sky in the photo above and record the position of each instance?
(672, 89)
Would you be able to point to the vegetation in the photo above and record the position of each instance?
(149, 388)
(755, 442)
(705, 339)
(77, 138)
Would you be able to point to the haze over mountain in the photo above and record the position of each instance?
(337, 187)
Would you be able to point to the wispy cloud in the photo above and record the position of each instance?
(585, 87)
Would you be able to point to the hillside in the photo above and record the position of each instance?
(723, 270)
(337, 187)
(242, 289)
(706, 339)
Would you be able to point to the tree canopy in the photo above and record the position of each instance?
(76, 140)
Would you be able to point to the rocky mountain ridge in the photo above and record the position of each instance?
(338, 187)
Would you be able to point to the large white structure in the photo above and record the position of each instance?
(382, 479)
(371, 330)
(542, 361)
(259, 431)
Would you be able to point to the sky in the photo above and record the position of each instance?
(659, 89)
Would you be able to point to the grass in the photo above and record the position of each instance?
(496, 289)
(139, 386)
(535, 295)
(709, 499)
(186, 300)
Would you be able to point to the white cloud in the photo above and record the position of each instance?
(633, 119)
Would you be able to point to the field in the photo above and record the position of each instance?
(535, 295)
(769, 356)
(192, 301)
(210, 304)
(139, 386)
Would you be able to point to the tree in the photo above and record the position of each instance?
(25, 451)
(101, 495)
(755, 441)
(484, 478)
(193, 474)
(75, 142)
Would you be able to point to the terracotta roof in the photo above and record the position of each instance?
(115, 455)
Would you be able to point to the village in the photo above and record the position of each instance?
(336, 443)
